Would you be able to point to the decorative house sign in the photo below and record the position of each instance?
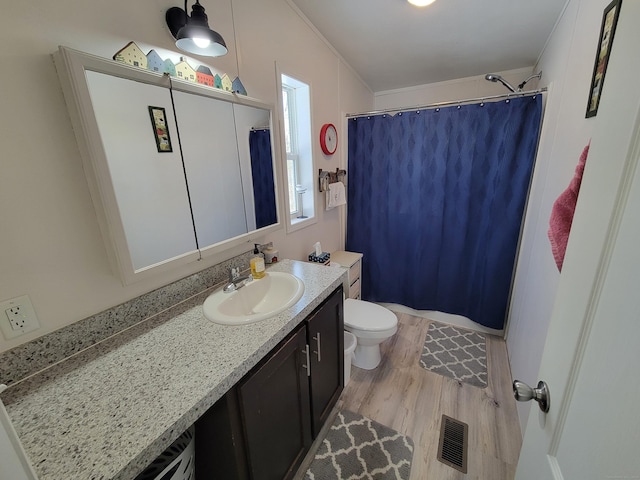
(154, 62)
(132, 55)
(185, 71)
(238, 87)
(227, 85)
(170, 68)
(204, 76)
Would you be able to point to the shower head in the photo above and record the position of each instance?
(537, 75)
(492, 77)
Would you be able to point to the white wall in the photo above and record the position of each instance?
(459, 89)
(50, 243)
(567, 65)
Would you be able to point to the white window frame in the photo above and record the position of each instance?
(292, 150)
(301, 151)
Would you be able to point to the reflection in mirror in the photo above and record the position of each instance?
(256, 164)
(221, 172)
(256, 159)
(210, 155)
(262, 176)
(148, 186)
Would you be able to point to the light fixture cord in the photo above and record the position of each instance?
(184, 168)
(235, 39)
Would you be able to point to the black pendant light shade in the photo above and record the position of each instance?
(192, 33)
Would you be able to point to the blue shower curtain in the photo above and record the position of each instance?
(262, 176)
(435, 204)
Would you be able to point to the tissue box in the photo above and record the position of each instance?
(322, 258)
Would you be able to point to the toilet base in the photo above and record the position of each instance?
(367, 357)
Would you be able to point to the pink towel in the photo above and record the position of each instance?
(562, 213)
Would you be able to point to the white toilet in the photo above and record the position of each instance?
(372, 325)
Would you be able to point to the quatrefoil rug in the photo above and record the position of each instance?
(356, 447)
(455, 353)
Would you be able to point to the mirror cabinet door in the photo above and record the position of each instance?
(149, 185)
(210, 152)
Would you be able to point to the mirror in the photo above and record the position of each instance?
(228, 164)
(200, 181)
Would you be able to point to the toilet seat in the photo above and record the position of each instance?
(368, 317)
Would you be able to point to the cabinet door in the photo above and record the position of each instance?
(212, 167)
(148, 186)
(326, 344)
(275, 409)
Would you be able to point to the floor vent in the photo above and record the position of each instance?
(452, 448)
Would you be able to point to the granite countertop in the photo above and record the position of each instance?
(109, 411)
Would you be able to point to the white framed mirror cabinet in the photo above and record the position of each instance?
(177, 171)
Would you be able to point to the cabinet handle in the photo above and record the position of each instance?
(308, 364)
(317, 339)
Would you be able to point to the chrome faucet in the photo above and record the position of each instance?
(236, 281)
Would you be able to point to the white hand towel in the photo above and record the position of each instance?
(336, 195)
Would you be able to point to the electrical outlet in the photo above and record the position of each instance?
(17, 317)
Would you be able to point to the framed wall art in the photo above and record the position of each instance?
(160, 129)
(607, 31)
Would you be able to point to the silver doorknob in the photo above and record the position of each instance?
(524, 393)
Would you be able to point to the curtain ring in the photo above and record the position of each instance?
(437, 109)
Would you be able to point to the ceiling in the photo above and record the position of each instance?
(392, 44)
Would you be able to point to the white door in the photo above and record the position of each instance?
(592, 354)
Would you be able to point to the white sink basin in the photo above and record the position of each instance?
(257, 300)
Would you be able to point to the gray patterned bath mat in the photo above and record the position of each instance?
(456, 353)
(356, 447)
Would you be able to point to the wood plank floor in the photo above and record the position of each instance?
(408, 398)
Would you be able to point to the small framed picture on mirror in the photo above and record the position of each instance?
(160, 129)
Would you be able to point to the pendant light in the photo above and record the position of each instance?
(421, 3)
(192, 33)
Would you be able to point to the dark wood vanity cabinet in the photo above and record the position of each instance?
(325, 337)
(275, 410)
(263, 427)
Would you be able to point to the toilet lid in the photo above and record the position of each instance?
(368, 316)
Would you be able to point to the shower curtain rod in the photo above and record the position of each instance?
(451, 102)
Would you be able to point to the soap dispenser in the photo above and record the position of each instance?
(257, 263)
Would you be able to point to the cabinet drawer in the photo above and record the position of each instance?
(354, 290)
(354, 272)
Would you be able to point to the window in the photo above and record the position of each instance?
(291, 146)
(296, 114)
